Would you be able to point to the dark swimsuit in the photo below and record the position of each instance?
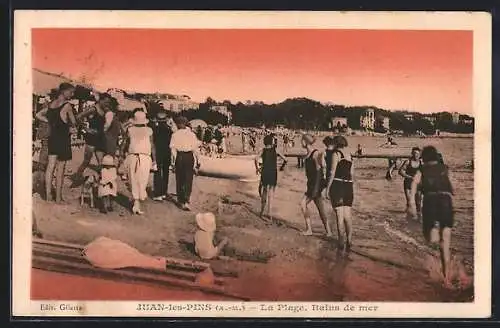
(411, 171)
(437, 203)
(341, 190)
(96, 138)
(313, 174)
(269, 175)
(59, 140)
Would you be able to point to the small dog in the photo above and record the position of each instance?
(88, 188)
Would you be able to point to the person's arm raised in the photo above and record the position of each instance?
(402, 170)
(86, 113)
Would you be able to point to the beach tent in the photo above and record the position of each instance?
(196, 123)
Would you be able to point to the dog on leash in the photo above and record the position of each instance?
(88, 189)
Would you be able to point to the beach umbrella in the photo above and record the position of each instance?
(196, 123)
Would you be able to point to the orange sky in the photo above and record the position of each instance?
(426, 71)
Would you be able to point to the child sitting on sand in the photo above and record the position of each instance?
(204, 237)
(107, 183)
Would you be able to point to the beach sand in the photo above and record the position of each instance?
(388, 261)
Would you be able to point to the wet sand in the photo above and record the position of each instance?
(387, 262)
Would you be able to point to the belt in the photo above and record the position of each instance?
(342, 180)
(138, 159)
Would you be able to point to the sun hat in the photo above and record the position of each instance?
(206, 221)
(140, 118)
(108, 160)
(161, 115)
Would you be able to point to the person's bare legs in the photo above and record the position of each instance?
(263, 200)
(418, 203)
(340, 225)
(60, 167)
(445, 254)
(270, 196)
(408, 202)
(49, 175)
(87, 157)
(303, 206)
(348, 225)
(99, 156)
(322, 214)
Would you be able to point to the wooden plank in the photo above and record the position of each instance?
(191, 276)
(172, 263)
(49, 264)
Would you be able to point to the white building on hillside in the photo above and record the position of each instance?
(455, 117)
(386, 123)
(338, 122)
(367, 120)
(179, 103)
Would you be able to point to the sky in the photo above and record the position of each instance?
(424, 71)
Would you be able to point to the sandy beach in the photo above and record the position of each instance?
(387, 263)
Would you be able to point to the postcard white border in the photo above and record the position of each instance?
(479, 23)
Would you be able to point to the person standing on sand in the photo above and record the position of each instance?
(184, 146)
(268, 174)
(141, 158)
(162, 134)
(60, 117)
(437, 206)
(315, 185)
(95, 143)
(408, 170)
(328, 142)
(341, 190)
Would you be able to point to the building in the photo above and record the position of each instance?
(386, 123)
(338, 122)
(455, 117)
(179, 103)
(125, 103)
(431, 119)
(409, 117)
(222, 109)
(367, 120)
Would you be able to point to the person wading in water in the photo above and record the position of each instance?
(315, 184)
(341, 191)
(437, 206)
(408, 170)
(60, 117)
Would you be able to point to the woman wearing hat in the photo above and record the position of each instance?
(140, 159)
(163, 128)
(184, 146)
(60, 117)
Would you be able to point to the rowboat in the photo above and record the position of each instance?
(231, 167)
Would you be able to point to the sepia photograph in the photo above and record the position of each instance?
(252, 164)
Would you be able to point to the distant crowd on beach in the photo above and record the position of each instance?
(163, 144)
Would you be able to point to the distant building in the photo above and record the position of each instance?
(465, 119)
(409, 117)
(222, 109)
(367, 120)
(179, 103)
(125, 103)
(386, 123)
(455, 117)
(338, 122)
(429, 118)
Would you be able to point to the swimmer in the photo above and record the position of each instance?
(408, 170)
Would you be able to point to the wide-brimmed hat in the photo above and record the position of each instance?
(206, 221)
(161, 115)
(108, 160)
(140, 118)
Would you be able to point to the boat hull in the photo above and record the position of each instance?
(234, 168)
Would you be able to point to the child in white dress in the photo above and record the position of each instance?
(204, 237)
(107, 183)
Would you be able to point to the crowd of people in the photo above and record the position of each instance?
(163, 144)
